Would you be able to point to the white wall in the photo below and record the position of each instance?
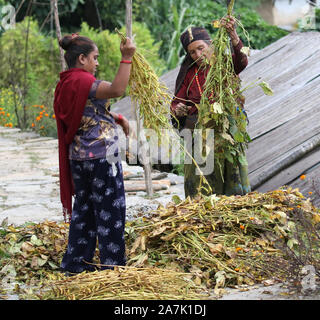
(283, 14)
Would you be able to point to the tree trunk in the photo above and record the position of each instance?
(54, 4)
(98, 14)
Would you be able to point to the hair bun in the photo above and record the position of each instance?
(65, 42)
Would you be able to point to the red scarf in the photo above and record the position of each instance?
(70, 98)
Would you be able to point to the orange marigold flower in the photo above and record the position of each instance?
(46, 115)
(310, 192)
(8, 114)
(236, 269)
(42, 127)
(241, 226)
(54, 116)
(38, 118)
(251, 218)
(42, 107)
(302, 177)
(33, 125)
(10, 125)
(238, 249)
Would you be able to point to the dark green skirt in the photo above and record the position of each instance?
(227, 178)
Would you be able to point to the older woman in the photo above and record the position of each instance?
(229, 179)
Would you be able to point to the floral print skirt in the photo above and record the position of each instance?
(98, 215)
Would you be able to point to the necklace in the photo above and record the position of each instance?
(198, 83)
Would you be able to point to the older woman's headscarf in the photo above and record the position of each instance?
(190, 35)
(193, 34)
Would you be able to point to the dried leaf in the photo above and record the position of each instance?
(220, 277)
(266, 88)
(35, 241)
(158, 231)
(246, 51)
(135, 245)
(217, 108)
(215, 248)
(27, 246)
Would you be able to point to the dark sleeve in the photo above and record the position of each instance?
(240, 60)
(182, 94)
(93, 90)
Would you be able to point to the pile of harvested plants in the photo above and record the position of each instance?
(29, 252)
(211, 242)
(125, 283)
(223, 241)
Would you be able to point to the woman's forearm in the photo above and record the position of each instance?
(121, 80)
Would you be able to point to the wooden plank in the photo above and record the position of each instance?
(140, 185)
(310, 184)
(143, 188)
(280, 109)
(286, 137)
(291, 173)
(291, 53)
(285, 86)
(288, 72)
(283, 79)
(284, 41)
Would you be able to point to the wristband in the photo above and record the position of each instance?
(126, 61)
(120, 118)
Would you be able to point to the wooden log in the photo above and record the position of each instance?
(284, 161)
(139, 185)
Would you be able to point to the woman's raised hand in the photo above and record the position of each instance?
(127, 49)
(230, 24)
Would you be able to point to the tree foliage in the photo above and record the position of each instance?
(167, 19)
(29, 64)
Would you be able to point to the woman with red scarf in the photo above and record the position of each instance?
(89, 160)
(230, 179)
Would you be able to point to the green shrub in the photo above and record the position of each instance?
(7, 108)
(109, 48)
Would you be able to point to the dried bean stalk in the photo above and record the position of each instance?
(221, 103)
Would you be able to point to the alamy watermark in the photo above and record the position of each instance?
(7, 17)
(308, 282)
(170, 147)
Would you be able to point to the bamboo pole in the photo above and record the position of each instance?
(142, 145)
(54, 5)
